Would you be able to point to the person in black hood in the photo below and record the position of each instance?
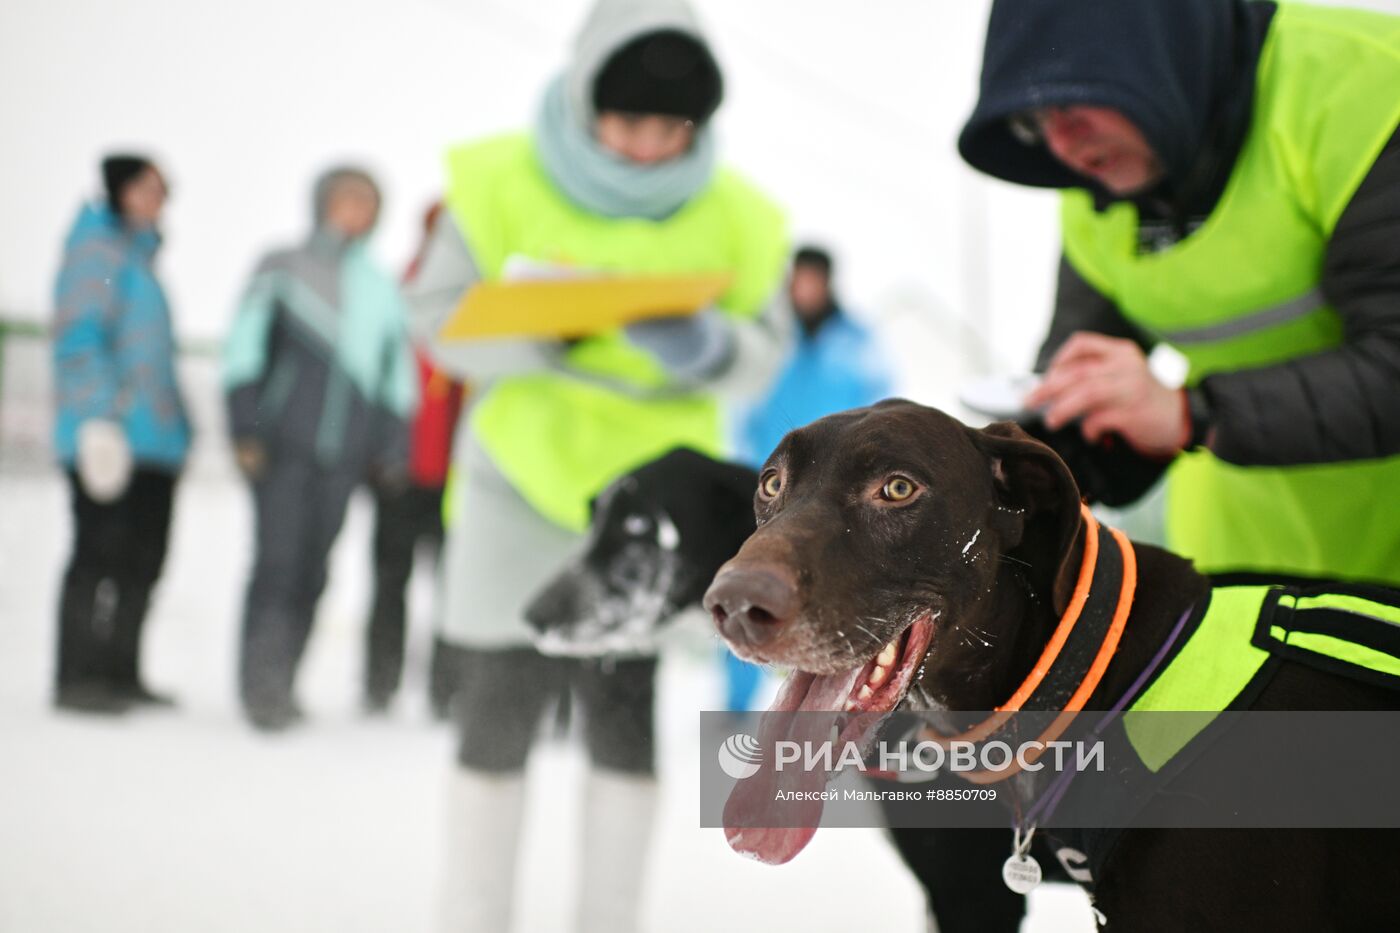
(1152, 108)
(1140, 100)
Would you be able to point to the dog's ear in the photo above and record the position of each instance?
(1034, 482)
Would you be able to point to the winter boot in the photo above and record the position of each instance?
(272, 641)
(483, 825)
(618, 812)
(129, 619)
(81, 682)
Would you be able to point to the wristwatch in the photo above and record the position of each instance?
(1202, 415)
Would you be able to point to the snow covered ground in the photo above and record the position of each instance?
(189, 821)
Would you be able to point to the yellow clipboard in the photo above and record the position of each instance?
(577, 307)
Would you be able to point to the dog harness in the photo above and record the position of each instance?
(1218, 656)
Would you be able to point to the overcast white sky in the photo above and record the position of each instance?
(846, 112)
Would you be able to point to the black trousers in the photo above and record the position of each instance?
(299, 510)
(404, 518)
(502, 695)
(118, 552)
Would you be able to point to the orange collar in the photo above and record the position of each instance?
(1107, 583)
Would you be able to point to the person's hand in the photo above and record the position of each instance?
(104, 459)
(390, 479)
(250, 456)
(690, 347)
(1105, 383)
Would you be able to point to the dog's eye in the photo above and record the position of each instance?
(636, 525)
(897, 489)
(771, 484)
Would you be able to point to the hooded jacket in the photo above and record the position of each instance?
(511, 198)
(317, 365)
(1184, 74)
(113, 346)
(449, 266)
(610, 25)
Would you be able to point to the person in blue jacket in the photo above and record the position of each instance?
(835, 364)
(120, 432)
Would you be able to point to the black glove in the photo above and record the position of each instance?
(1109, 472)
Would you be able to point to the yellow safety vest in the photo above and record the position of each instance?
(1242, 291)
(560, 438)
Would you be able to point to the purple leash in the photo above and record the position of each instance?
(1057, 789)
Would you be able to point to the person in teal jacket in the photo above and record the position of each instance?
(319, 380)
(120, 432)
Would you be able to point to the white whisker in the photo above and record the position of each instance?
(866, 630)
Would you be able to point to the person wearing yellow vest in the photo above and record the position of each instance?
(617, 175)
(1231, 173)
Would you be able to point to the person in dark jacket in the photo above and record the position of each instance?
(406, 515)
(319, 382)
(1217, 201)
(121, 433)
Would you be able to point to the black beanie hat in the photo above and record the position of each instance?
(118, 171)
(813, 256)
(666, 72)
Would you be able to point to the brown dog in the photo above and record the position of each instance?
(903, 559)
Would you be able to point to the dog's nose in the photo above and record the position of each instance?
(558, 604)
(752, 604)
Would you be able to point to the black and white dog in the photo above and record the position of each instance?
(657, 538)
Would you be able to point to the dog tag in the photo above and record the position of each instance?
(1021, 873)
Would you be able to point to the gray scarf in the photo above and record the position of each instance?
(610, 185)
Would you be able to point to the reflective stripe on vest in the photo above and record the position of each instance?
(1354, 633)
(1307, 303)
(1242, 291)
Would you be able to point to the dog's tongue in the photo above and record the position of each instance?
(754, 800)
